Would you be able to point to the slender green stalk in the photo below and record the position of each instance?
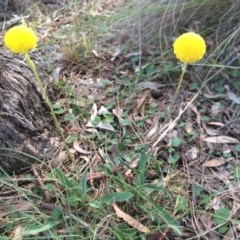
(184, 67)
(46, 99)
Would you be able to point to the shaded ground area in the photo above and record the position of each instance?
(113, 105)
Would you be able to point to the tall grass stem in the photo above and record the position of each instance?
(184, 67)
(48, 102)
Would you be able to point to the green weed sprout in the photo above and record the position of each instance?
(189, 47)
(20, 40)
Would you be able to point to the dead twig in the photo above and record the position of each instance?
(40, 182)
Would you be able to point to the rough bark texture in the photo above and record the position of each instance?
(24, 117)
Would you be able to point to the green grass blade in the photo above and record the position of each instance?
(172, 223)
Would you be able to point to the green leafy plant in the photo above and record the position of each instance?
(173, 155)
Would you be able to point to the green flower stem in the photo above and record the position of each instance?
(184, 67)
(46, 99)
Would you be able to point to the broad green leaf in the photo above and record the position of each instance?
(72, 138)
(176, 142)
(237, 148)
(222, 215)
(63, 179)
(141, 169)
(4, 238)
(172, 223)
(95, 204)
(223, 229)
(59, 111)
(125, 122)
(116, 197)
(56, 213)
(56, 105)
(69, 117)
(173, 158)
(34, 230)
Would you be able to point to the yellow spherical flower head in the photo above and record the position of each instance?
(20, 39)
(189, 47)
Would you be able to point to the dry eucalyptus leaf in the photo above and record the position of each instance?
(188, 128)
(105, 126)
(17, 233)
(214, 163)
(104, 155)
(132, 54)
(154, 127)
(118, 112)
(220, 139)
(76, 146)
(215, 203)
(132, 165)
(195, 110)
(149, 84)
(62, 157)
(217, 124)
(95, 53)
(103, 110)
(210, 131)
(130, 220)
(93, 112)
(142, 101)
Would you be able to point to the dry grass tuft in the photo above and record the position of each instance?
(151, 26)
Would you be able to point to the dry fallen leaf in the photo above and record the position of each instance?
(132, 165)
(17, 233)
(154, 127)
(195, 110)
(141, 101)
(217, 124)
(209, 130)
(220, 139)
(215, 203)
(130, 220)
(93, 112)
(62, 157)
(214, 162)
(148, 84)
(189, 128)
(103, 110)
(76, 146)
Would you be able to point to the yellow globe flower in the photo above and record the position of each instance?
(189, 47)
(20, 39)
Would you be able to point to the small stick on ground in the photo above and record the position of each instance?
(40, 182)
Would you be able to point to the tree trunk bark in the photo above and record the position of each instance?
(24, 117)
